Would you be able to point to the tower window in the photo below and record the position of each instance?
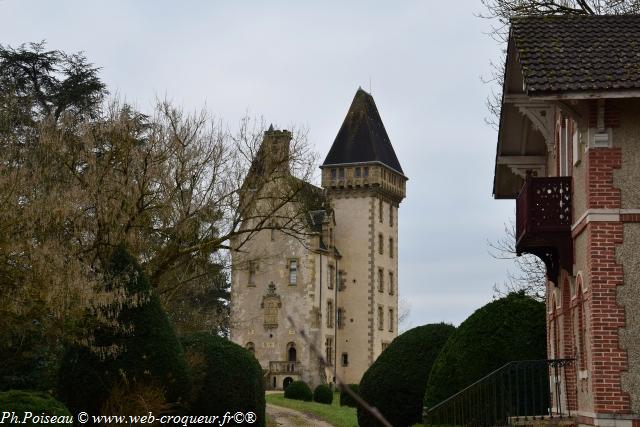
(340, 318)
(391, 215)
(345, 359)
(333, 173)
(380, 280)
(366, 172)
(380, 209)
(358, 171)
(293, 272)
(391, 320)
(330, 314)
(390, 247)
(380, 318)
(391, 286)
(332, 277)
(341, 173)
(252, 273)
(380, 244)
(328, 350)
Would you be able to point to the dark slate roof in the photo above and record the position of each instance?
(316, 218)
(362, 137)
(578, 53)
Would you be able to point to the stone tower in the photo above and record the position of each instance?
(338, 280)
(365, 185)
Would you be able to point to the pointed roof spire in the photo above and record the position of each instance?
(270, 128)
(362, 137)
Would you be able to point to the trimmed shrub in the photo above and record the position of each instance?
(510, 328)
(323, 394)
(396, 381)
(29, 360)
(38, 403)
(298, 390)
(150, 353)
(226, 377)
(346, 399)
(127, 398)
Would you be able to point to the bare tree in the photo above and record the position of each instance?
(530, 274)
(404, 311)
(169, 186)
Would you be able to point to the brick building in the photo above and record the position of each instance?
(569, 153)
(338, 281)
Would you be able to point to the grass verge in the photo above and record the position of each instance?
(339, 416)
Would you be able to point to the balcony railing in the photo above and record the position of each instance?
(543, 221)
(518, 391)
(543, 206)
(282, 367)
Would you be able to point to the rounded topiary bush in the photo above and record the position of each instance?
(396, 381)
(323, 394)
(37, 403)
(226, 377)
(149, 352)
(346, 399)
(508, 329)
(298, 390)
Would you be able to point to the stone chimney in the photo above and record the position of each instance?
(275, 147)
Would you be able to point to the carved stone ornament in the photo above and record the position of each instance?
(271, 304)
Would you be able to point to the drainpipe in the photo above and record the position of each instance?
(320, 304)
(335, 324)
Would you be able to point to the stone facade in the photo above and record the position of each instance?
(332, 291)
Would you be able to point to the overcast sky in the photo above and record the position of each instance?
(300, 63)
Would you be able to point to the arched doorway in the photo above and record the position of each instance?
(292, 354)
(251, 347)
(286, 382)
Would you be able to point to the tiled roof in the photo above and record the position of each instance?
(578, 53)
(362, 137)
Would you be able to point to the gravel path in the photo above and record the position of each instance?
(286, 417)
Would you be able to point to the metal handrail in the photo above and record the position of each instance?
(503, 394)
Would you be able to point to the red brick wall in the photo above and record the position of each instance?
(600, 191)
(611, 115)
(569, 345)
(606, 317)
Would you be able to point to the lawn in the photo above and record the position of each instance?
(339, 416)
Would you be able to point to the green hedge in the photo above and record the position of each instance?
(323, 394)
(511, 328)
(37, 403)
(150, 353)
(298, 390)
(227, 377)
(346, 399)
(396, 381)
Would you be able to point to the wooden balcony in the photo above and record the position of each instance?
(543, 222)
(283, 367)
